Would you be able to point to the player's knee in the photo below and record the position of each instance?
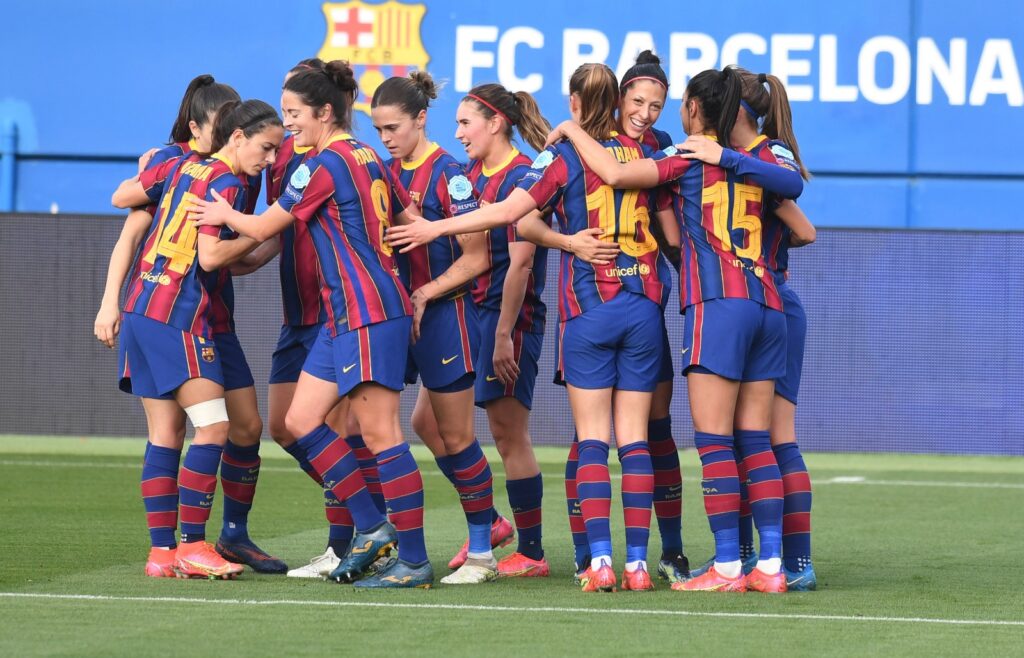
(248, 431)
(298, 423)
(279, 430)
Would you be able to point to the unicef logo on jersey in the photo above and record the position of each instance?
(460, 188)
(543, 159)
(300, 179)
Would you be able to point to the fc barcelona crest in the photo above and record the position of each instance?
(378, 40)
(208, 354)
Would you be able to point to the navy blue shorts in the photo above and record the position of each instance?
(374, 353)
(615, 345)
(447, 348)
(154, 358)
(796, 336)
(232, 362)
(526, 349)
(293, 346)
(737, 339)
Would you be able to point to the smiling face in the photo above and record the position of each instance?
(301, 120)
(640, 107)
(477, 133)
(399, 132)
(256, 153)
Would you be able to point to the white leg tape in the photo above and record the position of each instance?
(208, 413)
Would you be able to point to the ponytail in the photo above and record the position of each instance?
(251, 117)
(778, 121)
(334, 85)
(598, 91)
(202, 96)
(732, 94)
(719, 95)
(518, 109)
(532, 125)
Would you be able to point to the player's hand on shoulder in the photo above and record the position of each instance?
(413, 234)
(210, 213)
(559, 132)
(145, 158)
(699, 147)
(107, 325)
(588, 246)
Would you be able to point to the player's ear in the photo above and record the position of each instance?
(193, 128)
(237, 137)
(325, 112)
(421, 119)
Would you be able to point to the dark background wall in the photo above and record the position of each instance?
(915, 341)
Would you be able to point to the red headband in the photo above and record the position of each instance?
(643, 77)
(491, 108)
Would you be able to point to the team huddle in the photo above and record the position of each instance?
(422, 268)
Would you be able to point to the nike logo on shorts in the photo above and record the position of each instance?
(445, 362)
(347, 368)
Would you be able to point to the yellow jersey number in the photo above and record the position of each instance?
(633, 231)
(381, 208)
(178, 237)
(717, 196)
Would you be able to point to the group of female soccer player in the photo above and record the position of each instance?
(421, 267)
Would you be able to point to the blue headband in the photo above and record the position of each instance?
(750, 110)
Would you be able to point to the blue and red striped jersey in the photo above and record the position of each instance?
(348, 198)
(560, 180)
(169, 152)
(438, 185)
(298, 266)
(721, 217)
(218, 283)
(492, 185)
(169, 285)
(656, 140)
(776, 233)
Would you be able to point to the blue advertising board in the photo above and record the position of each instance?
(893, 100)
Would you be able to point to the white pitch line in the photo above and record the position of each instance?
(920, 483)
(846, 479)
(503, 608)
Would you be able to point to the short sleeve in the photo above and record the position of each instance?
(455, 191)
(309, 188)
(670, 164)
(546, 179)
(154, 179)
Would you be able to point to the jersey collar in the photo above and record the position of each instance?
(511, 156)
(408, 166)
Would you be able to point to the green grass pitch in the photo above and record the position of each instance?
(916, 555)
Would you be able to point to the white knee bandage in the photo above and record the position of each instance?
(208, 413)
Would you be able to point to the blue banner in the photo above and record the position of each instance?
(878, 88)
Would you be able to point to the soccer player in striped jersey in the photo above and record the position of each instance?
(304, 316)
(170, 358)
(346, 195)
(765, 98)
(612, 343)
(735, 329)
(511, 313)
(438, 278)
(642, 98)
(192, 131)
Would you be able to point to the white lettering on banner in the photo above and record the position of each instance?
(998, 53)
(885, 69)
(681, 67)
(831, 91)
(737, 43)
(784, 64)
(507, 59)
(634, 44)
(951, 75)
(580, 47)
(467, 57)
(868, 59)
